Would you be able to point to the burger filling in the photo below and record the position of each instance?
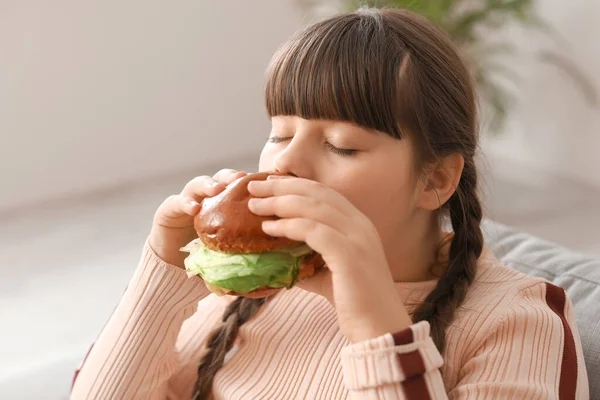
(243, 273)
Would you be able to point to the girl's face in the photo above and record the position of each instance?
(371, 169)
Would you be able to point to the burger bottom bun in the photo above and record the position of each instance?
(258, 293)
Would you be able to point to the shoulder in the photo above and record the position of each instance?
(497, 287)
(515, 330)
(500, 294)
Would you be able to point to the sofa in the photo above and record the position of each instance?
(577, 274)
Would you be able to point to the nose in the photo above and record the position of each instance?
(294, 159)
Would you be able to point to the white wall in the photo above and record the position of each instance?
(94, 94)
(551, 127)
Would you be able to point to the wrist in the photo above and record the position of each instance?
(167, 247)
(373, 331)
(385, 320)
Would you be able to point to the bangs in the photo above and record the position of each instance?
(346, 68)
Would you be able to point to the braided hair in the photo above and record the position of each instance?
(221, 340)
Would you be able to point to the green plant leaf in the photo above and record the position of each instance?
(494, 68)
(481, 51)
(468, 21)
(497, 101)
(575, 74)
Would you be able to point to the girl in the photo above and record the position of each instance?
(374, 116)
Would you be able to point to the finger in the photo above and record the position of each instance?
(300, 186)
(188, 205)
(178, 205)
(201, 187)
(227, 176)
(296, 206)
(321, 238)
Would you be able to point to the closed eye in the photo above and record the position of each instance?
(277, 139)
(336, 150)
(340, 151)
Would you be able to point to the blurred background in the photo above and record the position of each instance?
(106, 108)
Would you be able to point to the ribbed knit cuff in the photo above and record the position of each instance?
(390, 358)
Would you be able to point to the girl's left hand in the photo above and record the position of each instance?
(357, 280)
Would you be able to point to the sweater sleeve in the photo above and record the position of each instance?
(135, 355)
(402, 365)
(533, 351)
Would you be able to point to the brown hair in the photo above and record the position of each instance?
(393, 71)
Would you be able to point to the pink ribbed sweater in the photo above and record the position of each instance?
(514, 337)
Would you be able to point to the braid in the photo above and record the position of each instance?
(465, 214)
(220, 341)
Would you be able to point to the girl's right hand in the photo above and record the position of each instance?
(173, 225)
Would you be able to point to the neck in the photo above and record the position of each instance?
(417, 258)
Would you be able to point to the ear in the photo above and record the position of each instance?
(441, 181)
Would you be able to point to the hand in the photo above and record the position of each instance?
(357, 280)
(173, 225)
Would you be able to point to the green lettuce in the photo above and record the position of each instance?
(243, 273)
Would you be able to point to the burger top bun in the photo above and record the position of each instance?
(225, 223)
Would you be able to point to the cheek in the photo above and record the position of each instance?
(387, 199)
(387, 206)
(265, 162)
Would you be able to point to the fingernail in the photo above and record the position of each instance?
(267, 224)
(254, 202)
(253, 184)
(194, 203)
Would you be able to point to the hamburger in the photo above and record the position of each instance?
(235, 257)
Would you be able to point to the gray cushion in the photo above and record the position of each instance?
(577, 274)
